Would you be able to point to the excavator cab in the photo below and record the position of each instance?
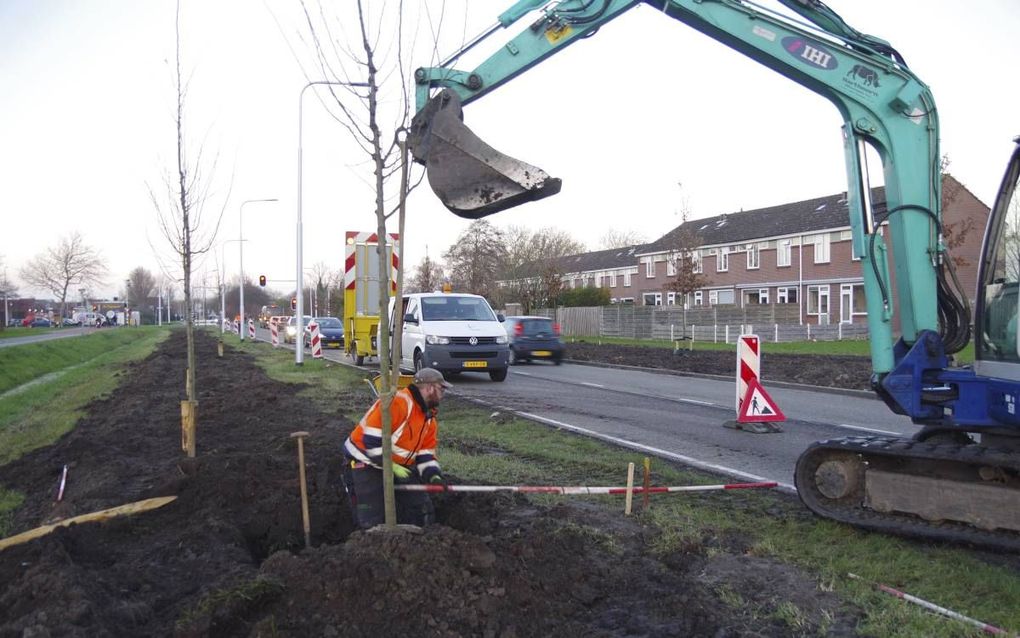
(470, 177)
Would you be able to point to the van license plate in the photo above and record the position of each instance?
(475, 364)
(542, 353)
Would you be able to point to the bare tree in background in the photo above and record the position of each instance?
(614, 238)
(955, 233)
(321, 274)
(428, 276)
(475, 259)
(141, 288)
(529, 257)
(69, 265)
(180, 211)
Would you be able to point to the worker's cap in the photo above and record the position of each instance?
(431, 375)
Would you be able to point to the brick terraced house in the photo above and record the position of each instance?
(798, 255)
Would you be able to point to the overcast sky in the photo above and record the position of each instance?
(638, 119)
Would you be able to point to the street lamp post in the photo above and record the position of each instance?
(299, 354)
(240, 232)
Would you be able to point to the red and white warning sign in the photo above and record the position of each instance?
(748, 365)
(758, 406)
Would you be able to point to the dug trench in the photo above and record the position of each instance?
(227, 558)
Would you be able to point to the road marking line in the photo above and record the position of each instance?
(864, 429)
(647, 448)
(592, 385)
(604, 387)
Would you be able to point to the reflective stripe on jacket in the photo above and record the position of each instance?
(414, 434)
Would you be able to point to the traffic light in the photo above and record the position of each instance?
(262, 280)
(293, 303)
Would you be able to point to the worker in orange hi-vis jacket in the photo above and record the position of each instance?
(413, 419)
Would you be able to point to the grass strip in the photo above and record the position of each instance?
(478, 450)
(46, 411)
(849, 347)
(23, 363)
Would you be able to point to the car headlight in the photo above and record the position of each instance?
(291, 331)
(436, 340)
(501, 339)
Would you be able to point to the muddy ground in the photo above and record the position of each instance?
(227, 558)
(825, 370)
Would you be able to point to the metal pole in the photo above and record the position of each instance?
(299, 353)
(240, 239)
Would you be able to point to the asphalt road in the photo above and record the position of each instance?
(676, 417)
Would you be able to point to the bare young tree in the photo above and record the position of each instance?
(181, 209)
(69, 265)
(362, 55)
(614, 238)
(683, 260)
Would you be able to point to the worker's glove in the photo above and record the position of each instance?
(401, 471)
(437, 479)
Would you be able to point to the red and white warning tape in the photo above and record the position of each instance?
(576, 490)
(985, 627)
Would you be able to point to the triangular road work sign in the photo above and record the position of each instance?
(758, 406)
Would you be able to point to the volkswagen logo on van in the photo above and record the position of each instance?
(473, 341)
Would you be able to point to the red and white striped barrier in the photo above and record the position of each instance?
(237, 327)
(251, 329)
(748, 365)
(579, 490)
(985, 627)
(315, 340)
(274, 333)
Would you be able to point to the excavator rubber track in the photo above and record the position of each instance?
(937, 491)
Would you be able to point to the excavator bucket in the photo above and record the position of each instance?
(470, 177)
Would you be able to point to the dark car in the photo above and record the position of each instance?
(534, 338)
(331, 332)
(41, 323)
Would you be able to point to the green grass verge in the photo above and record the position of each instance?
(852, 347)
(47, 410)
(476, 450)
(22, 363)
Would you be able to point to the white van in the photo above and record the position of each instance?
(453, 333)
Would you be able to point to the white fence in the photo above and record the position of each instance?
(720, 324)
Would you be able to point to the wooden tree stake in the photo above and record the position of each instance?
(189, 414)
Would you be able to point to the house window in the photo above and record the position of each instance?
(851, 302)
(783, 252)
(626, 280)
(670, 298)
(756, 297)
(818, 302)
(786, 295)
(652, 298)
(713, 297)
(696, 261)
(649, 268)
(671, 265)
(698, 298)
(822, 249)
(753, 257)
(722, 260)
(726, 296)
(612, 280)
(627, 300)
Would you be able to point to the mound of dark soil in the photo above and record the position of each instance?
(227, 557)
(824, 370)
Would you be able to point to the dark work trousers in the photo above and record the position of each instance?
(364, 485)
